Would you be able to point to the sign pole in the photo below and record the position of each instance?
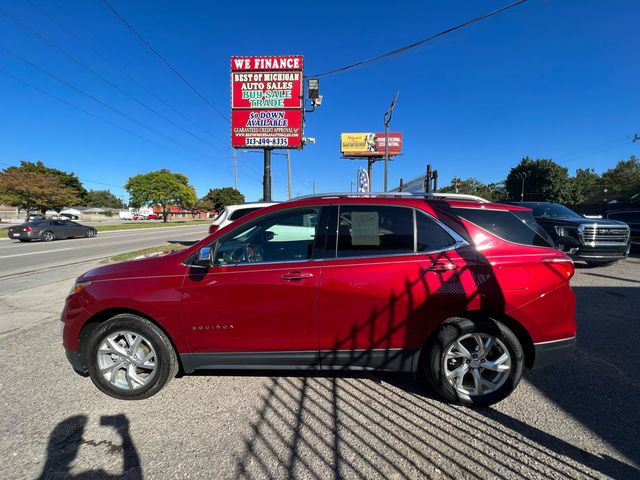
(370, 161)
(266, 181)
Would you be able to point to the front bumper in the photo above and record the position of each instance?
(76, 361)
(548, 353)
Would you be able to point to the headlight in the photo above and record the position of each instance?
(79, 286)
(562, 231)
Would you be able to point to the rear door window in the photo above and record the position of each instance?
(366, 230)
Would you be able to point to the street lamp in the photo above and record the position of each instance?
(522, 175)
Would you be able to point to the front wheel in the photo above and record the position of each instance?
(90, 233)
(130, 358)
(47, 236)
(474, 362)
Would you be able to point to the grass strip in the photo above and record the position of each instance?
(174, 247)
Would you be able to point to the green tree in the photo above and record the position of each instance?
(544, 180)
(585, 184)
(470, 186)
(102, 198)
(162, 188)
(221, 197)
(69, 180)
(205, 205)
(624, 178)
(32, 191)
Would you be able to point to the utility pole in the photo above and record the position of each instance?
(266, 181)
(401, 185)
(314, 187)
(353, 182)
(289, 173)
(522, 175)
(456, 183)
(235, 169)
(427, 179)
(387, 121)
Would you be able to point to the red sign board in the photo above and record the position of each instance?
(267, 102)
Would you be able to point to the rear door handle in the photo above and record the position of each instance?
(296, 276)
(441, 267)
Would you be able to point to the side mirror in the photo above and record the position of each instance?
(268, 235)
(204, 256)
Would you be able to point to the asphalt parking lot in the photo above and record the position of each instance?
(578, 419)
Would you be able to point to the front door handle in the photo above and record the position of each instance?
(296, 275)
(441, 267)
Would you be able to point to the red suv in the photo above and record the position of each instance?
(465, 291)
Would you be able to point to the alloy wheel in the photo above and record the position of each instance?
(127, 360)
(477, 364)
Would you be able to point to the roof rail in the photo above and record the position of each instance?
(435, 196)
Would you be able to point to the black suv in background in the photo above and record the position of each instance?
(631, 218)
(596, 241)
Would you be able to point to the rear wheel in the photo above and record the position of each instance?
(47, 236)
(130, 358)
(474, 362)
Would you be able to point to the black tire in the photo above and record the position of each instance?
(459, 328)
(47, 236)
(24, 239)
(166, 363)
(600, 263)
(90, 233)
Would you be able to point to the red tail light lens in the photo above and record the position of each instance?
(563, 265)
(27, 229)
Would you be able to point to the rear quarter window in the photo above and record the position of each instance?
(516, 227)
(242, 212)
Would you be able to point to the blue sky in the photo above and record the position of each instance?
(550, 78)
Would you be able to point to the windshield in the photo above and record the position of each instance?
(554, 210)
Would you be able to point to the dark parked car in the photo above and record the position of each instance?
(596, 241)
(464, 291)
(631, 218)
(68, 216)
(47, 230)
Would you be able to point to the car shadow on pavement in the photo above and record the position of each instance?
(598, 384)
(394, 426)
(67, 438)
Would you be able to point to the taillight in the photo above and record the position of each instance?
(27, 229)
(562, 265)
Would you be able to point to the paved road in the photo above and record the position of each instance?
(16, 257)
(578, 419)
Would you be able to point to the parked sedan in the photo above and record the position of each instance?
(47, 230)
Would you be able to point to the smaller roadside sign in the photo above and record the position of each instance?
(369, 144)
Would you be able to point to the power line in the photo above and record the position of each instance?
(97, 117)
(419, 42)
(93, 72)
(157, 54)
(123, 72)
(97, 100)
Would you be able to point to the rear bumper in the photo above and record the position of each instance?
(548, 353)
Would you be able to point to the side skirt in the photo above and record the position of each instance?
(392, 359)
